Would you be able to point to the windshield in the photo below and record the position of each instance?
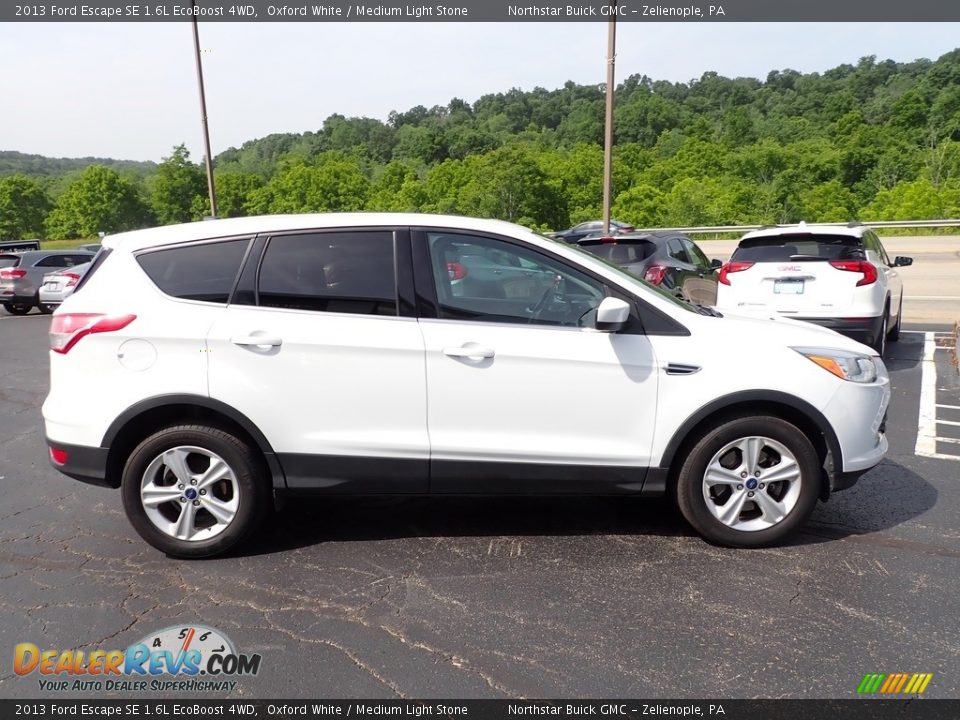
(629, 277)
(9, 261)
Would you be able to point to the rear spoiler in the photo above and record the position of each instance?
(19, 245)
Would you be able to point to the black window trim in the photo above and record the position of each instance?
(427, 305)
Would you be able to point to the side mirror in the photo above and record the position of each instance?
(901, 261)
(612, 314)
(716, 264)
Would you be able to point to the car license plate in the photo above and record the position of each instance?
(788, 287)
(51, 286)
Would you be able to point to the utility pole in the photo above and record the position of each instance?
(208, 158)
(608, 125)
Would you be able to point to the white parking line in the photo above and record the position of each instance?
(949, 407)
(927, 438)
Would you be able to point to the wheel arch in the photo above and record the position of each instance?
(788, 407)
(147, 416)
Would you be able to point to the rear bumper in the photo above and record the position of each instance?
(863, 330)
(86, 464)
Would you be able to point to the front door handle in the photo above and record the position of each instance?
(257, 340)
(469, 350)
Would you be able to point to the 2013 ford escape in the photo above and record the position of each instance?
(202, 367)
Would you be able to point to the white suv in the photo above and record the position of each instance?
(202, 368)
(837, 276)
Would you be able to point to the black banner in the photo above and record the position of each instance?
(864, 709)
(860, 11)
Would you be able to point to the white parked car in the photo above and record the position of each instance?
(58, 286)
(207, 366)
(837, 276)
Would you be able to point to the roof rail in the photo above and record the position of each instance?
(854, 223)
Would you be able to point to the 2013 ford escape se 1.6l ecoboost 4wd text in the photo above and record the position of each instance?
(202, 367)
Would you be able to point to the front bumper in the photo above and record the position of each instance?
(83, 463)
(863, 330)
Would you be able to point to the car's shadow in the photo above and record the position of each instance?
(906, 353)
(885, 497)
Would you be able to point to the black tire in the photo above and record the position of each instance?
(895, 330)
(17, 308)
(248, 472)
(690, 481)
(880, 341)
(45, 309)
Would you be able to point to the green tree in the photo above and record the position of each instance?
(914, 200)
(642, 206)
(99, 200)
(23, 206)
(177, 188)
(234, 191)
(334, 184)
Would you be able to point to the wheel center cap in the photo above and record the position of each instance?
(751, 484)
(190, 494)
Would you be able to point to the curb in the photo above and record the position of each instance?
(955, 352)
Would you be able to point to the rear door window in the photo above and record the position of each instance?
(205, 272)
(696, 255)
(346, 272)
(799, 248)
(677, 251)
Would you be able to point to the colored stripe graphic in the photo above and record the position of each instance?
(894, 683)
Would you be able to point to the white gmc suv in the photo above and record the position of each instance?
(837, 276)
(202, 368)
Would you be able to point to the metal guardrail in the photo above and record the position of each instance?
(748, 228)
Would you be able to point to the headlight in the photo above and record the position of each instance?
(845, 365)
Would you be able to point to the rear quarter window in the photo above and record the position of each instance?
(205, 272)
(799, 248)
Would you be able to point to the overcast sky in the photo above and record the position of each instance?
(129, 90)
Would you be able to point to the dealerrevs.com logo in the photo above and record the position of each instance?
(189, 659)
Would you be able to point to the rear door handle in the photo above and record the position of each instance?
(469, 350)
(257, 340)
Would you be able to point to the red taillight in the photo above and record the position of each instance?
(58, 456)
(456, 271)
(12, 274)
(68, 329)
(607, 239)
(72, 278)
(655, 274)
(624, 229)
(732, 267)
(859, 266)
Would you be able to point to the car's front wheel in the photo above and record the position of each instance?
(749, 482)
(194, 491)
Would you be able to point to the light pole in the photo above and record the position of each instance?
(203, 114)
(608, 124)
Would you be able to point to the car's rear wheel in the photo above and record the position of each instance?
(880, 343)
(749, 482)
(895, 331)
(17, 308)
(195, 491)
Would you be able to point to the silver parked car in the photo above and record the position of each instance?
(58, 286)
(21, 274)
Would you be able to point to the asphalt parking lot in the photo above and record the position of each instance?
(493, 598)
